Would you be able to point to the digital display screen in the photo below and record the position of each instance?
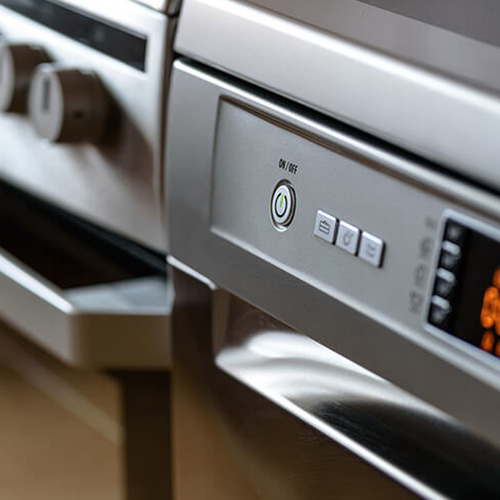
(466, 293)
(477, 305)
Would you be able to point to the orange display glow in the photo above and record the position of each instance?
(488, 341)
(490, 315)
(490, 311)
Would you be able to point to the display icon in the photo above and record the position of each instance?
(416, 302)
(282, 205)
(371, 249)
(324, 227)
(420, 275)
(347, 239)
(426, 248)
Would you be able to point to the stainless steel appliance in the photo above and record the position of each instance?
(312, 230)
(89, 136)
(431, 67)
(82, 90)
(82, 266)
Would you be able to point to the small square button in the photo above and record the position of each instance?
(325, 227)
(440, 313)
(348, 237)
(455, 232)
(450, 257)
(444, 286)
(371, 249)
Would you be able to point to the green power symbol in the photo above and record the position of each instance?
(282, 197)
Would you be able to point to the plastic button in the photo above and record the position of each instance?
(283, 205)
(371, 249)
(455, 233)
(348, 237)
(325, 227)
(445, 284)
(440, 313)
(450, 257)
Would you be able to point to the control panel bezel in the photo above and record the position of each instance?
(487, 229)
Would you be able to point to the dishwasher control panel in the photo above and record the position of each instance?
(374, 253)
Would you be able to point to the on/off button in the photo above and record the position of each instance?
(283, 205)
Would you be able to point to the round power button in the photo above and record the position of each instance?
(283, 205)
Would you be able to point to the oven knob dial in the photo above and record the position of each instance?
(17, 63)
(68, 105)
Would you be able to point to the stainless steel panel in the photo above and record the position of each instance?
(410, 441)
(224, 161)
(117, 183)
(430, 90)
(474, 20)
(116, 325)
(232, 443)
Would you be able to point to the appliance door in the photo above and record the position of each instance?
(89, 298)
(95, 301)
(261, 411)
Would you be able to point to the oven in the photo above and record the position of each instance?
(82, 94)
(82, 261)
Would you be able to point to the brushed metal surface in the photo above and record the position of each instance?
(232, 443)
(115, 184)
(117, 325)
(223, 159)
(410, 441)
(475, 20)
(430, 90)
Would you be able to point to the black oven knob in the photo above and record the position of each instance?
(17, 63)
(68, 105)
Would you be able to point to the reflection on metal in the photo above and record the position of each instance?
(117, 325)
(406, 438)
(336, 47)
(241, 445)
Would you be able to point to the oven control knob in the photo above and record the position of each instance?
(17, 63)
(68, 105)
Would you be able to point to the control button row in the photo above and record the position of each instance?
(366, 246)
(446, 278)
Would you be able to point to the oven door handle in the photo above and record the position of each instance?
(124, 325)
